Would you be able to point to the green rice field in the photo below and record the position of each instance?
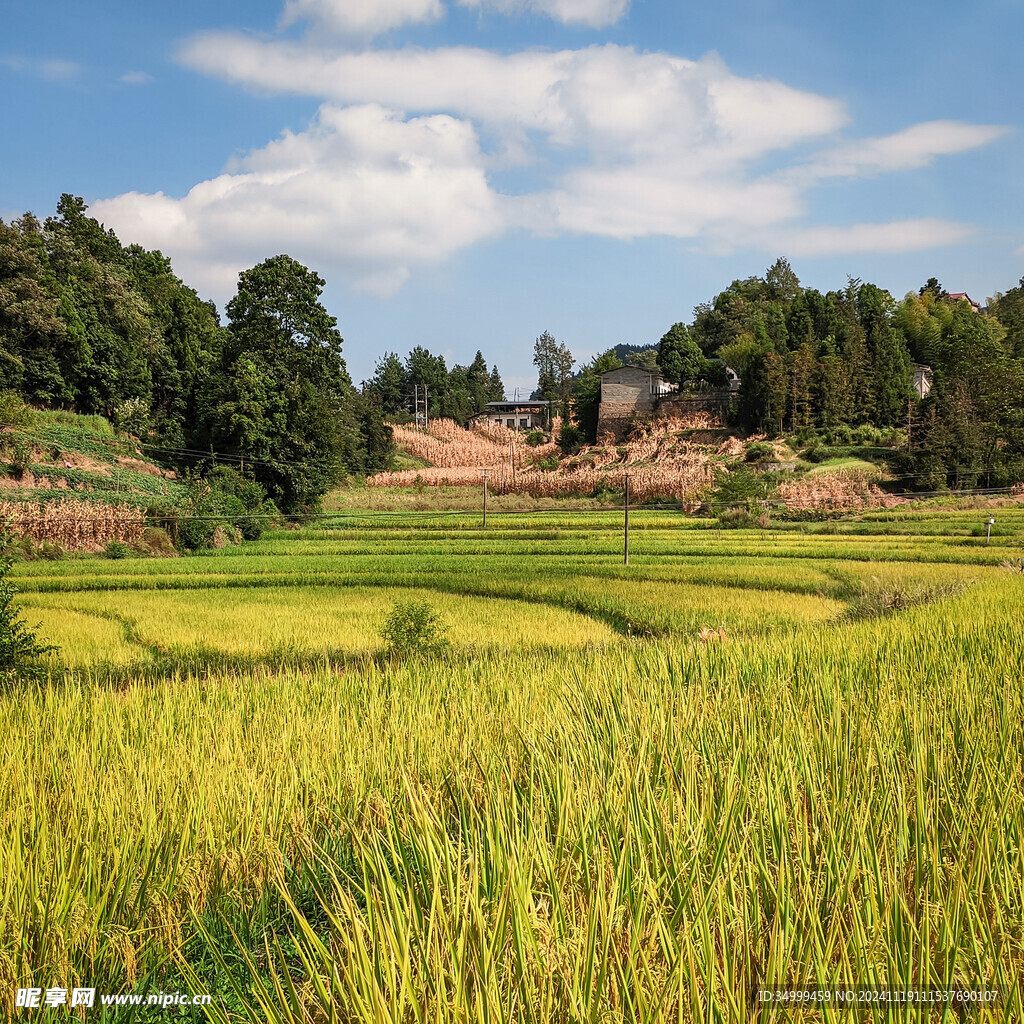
(781, 759)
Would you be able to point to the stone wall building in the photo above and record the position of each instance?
(631, 392)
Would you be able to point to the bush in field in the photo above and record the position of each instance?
(535, 438)
(737, 519)
(413, 627)
(222, 507)
(21, 651)
(13, 411)
(759, 451)
(739, 486)
(117, 549)
(570, 439)
(876, 598)
(21, 457)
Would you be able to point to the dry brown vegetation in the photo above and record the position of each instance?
(75, 525)
(840, 489)
(658, 461)
(446, 445)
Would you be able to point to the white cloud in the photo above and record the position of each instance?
(359, 17)
(392, 174)
(593, 13)
(913, 147)
(136, 78)
(610, 99)
(362, 192)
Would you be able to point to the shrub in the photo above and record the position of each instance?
(550, 463)
(740, 485)
(413, 627)
(21, 652)
(13, 411)
(155, 542)
(535, 438)
(570, 439)
(132, 417)
(21, 457)
(759, 451)
(737, 519)
(117, 549)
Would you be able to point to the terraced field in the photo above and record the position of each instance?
(768, 759)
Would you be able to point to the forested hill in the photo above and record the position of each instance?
(90, 325)
(812, 362)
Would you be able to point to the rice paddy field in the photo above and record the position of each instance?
(783, 759)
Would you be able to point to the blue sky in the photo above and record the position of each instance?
(469, 173)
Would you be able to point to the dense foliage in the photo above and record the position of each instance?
(423, 382)
(90, 325)
(811, 361)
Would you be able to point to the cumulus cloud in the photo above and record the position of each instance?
(359, 17)
(392, 174)
(593, 13)
(617, 104)
(362, 191)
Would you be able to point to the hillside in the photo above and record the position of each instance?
(55, 456)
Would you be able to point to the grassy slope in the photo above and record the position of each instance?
(65, 455)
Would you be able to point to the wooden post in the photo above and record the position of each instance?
(625, 552)
(988, 538)
(484, 471)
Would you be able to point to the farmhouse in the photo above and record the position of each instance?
(527, 415)
(964, 297)
(631, 392)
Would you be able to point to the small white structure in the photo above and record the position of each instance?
(527, 415)
(922, 379)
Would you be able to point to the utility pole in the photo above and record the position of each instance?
(426, 414)
(484, 471)
(416, 404)
(625, 551)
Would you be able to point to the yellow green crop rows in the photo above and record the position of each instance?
(624, 793)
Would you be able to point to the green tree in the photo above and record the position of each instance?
(495, 386)
(478, 382)
(278, 397)
(554, 364)
(390, 384)
(426, 371)
(782, 283)
(679, 356)
(587, 393)
(1009, 311)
